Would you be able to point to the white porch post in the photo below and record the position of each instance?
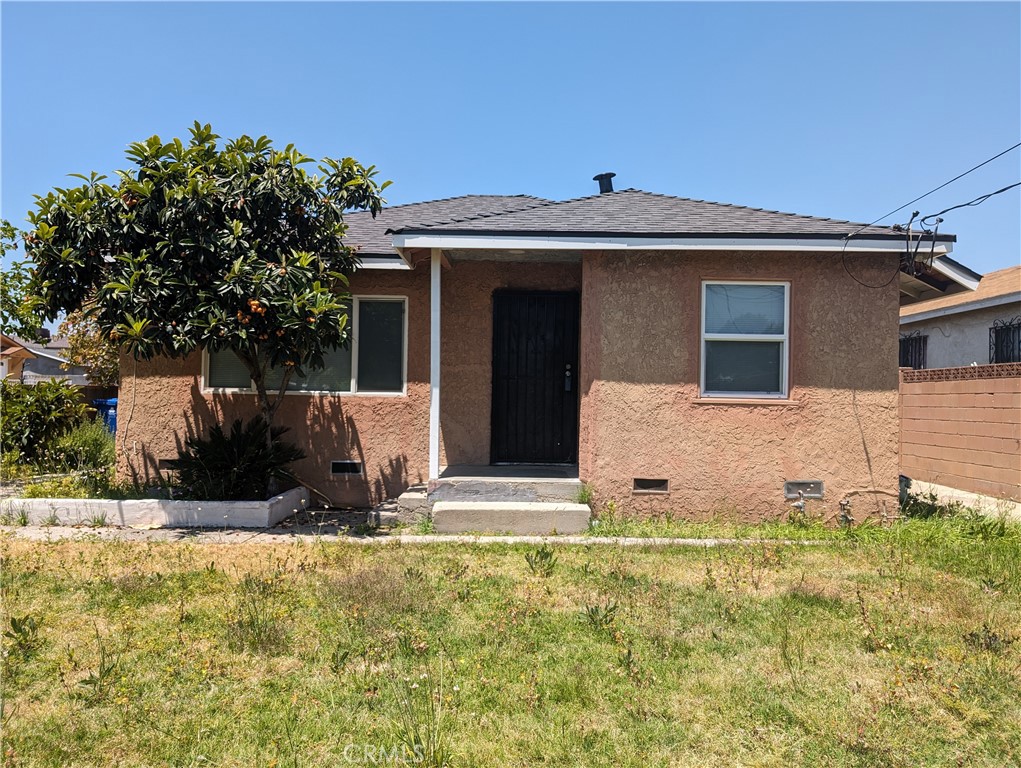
(434, 365)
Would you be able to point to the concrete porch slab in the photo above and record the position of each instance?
(524, 472)
(521, 518)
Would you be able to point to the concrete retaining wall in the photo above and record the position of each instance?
(159, 513)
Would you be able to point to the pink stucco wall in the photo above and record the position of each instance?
(164, 403)
(641, 414)
(467, 352)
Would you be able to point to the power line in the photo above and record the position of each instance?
(960, 176)
(977, 201)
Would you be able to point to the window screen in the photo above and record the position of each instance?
(380, 328)
(226, 371)
(744, 339)
(743, 366)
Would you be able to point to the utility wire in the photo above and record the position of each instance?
(961, 176)
(977, 201)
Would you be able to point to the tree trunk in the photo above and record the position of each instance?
(268, 407)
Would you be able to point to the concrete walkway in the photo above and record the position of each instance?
(988, 505)
(342, 536)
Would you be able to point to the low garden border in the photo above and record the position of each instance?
(158, 513)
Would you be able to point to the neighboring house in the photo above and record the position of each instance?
(974, 328)
(679, 355)
(47, 357)
(13, 355)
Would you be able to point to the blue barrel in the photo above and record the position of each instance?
(107, 410)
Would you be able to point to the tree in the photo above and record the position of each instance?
(16, 314)
(199, 246)
(89, 348)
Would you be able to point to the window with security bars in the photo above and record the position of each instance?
(912, 350)
(1005, 341)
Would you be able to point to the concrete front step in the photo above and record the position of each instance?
(516, 517)
(558, 490)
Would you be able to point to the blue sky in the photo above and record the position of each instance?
(829, 109)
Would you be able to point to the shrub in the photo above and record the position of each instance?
(34, 416)
(87, 446)
(238, 466)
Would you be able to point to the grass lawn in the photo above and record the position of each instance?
(888, 647)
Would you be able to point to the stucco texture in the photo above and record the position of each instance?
(639, 363)
(162, 402)
(961, 338)
(466, 356)
(640, 412)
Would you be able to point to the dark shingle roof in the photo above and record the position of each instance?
(370, 236)
(632, 212)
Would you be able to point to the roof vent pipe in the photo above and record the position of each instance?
(605, 182)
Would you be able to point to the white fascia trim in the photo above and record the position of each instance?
(403, 265)
(546, 243)
(971, 306)
(956, 275)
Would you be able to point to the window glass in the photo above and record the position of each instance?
(744, 366)
(226, 371)
(380, 328)
(744, 309)
(335, 377)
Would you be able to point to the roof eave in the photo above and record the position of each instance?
(447, 240)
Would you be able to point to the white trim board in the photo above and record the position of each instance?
(552, 242)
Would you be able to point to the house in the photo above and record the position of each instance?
(677, 355)
(973, 328)
(13, 355)
(43, 361)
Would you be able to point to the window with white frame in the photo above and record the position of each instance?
(745, 330)
(374, 361)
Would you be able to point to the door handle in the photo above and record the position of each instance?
(567, 378)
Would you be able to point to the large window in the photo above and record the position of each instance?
(374, 361)
(1005, 341)
(912, 350)
(745, 339)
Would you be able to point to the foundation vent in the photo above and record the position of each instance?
(649, 485)
(346, 467)
(812, 489)
(164, 465)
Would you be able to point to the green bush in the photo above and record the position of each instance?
(88, 446)
(237, 466)
(33, 416)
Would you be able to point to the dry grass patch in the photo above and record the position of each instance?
(890, 651)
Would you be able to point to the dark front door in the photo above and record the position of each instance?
(535, 377)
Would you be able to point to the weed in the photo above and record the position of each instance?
(22, 639)
(339, 658)
(586, 494)
(419, 726)
(927, 506)
(98, 682)
(98, 520)
(985, 639)
(600, 617)
(872, 641)
(792, 650)
(51, 519)
(255, 623)
(541, 562)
